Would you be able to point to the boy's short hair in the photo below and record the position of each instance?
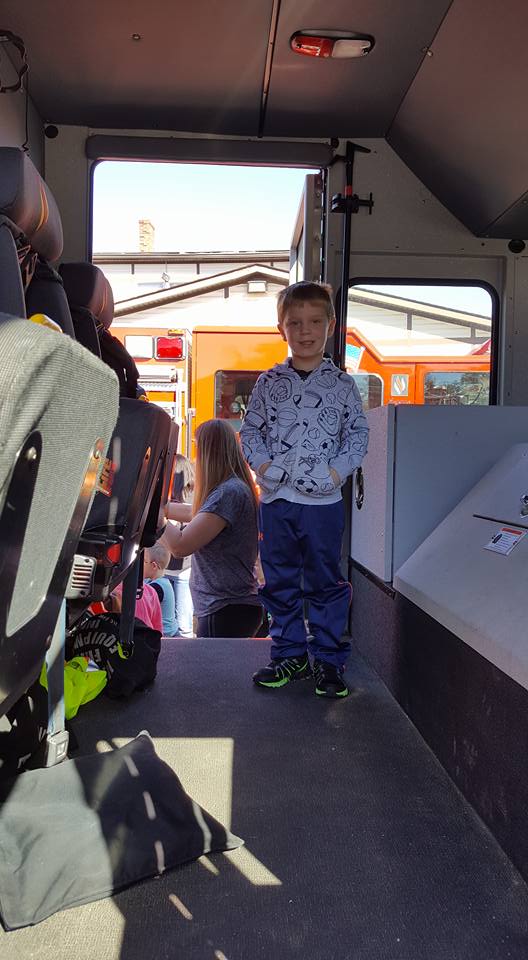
(160, 554)
(305, 290)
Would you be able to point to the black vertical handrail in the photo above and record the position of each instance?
(346, 204)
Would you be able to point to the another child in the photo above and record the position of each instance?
(155, 563)
(179, 569)
(304, 433)
(147, 609)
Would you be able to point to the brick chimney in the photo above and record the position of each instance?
(146, 236)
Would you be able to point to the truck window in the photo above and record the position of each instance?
(232, 392)
(429, 342)
(457, 387)
(370, 386)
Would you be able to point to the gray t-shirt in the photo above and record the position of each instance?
(223, 571)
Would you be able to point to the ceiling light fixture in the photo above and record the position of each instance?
(334, 44)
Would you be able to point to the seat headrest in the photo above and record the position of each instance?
(87, 287)
(29, 204)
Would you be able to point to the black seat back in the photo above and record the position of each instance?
(144, 432)
(142, 450)
(91, 301)
(30, 227)
(46, 294)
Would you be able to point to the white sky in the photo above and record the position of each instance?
(195, 206)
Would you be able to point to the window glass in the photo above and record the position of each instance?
(232, 392)
(464, 387)
(297, 260)
(399, 331)
(370, 387)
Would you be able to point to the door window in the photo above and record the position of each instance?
(467, 387)
(370, 386)
(401, 330)
(232, 392)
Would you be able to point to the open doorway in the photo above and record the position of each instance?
(177, 209)
(196, 255)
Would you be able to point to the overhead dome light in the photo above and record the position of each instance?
(331, 43)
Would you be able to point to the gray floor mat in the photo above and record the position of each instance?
(358, 846)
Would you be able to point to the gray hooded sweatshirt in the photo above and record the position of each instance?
(305, 427)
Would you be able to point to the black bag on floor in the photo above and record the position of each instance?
(127, 670)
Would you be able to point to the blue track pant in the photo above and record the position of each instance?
(300, 548)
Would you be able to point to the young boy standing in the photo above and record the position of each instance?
(304, 433)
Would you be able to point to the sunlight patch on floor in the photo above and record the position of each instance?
(252, 868)
(180, 906)
(209, 865)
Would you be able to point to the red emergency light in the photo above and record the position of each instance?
(332, 43)
(170, 348)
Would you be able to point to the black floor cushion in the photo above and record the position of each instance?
(90, 827)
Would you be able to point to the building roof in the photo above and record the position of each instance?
(186, 291)
(418, 308)
(192, 256)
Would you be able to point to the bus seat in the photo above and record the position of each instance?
(143, 430)
(126, 519)
(30, 227)
(141, 460)
(87, 288)
(50, 459)
(140, 465)
(46, 294)
(91, 301)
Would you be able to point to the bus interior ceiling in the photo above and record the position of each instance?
(439, 103)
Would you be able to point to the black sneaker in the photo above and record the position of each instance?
(280, 672)
(329, 681)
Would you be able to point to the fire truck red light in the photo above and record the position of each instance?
(170, 348)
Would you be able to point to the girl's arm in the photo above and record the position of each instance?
(179, 511)
(203, 528)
